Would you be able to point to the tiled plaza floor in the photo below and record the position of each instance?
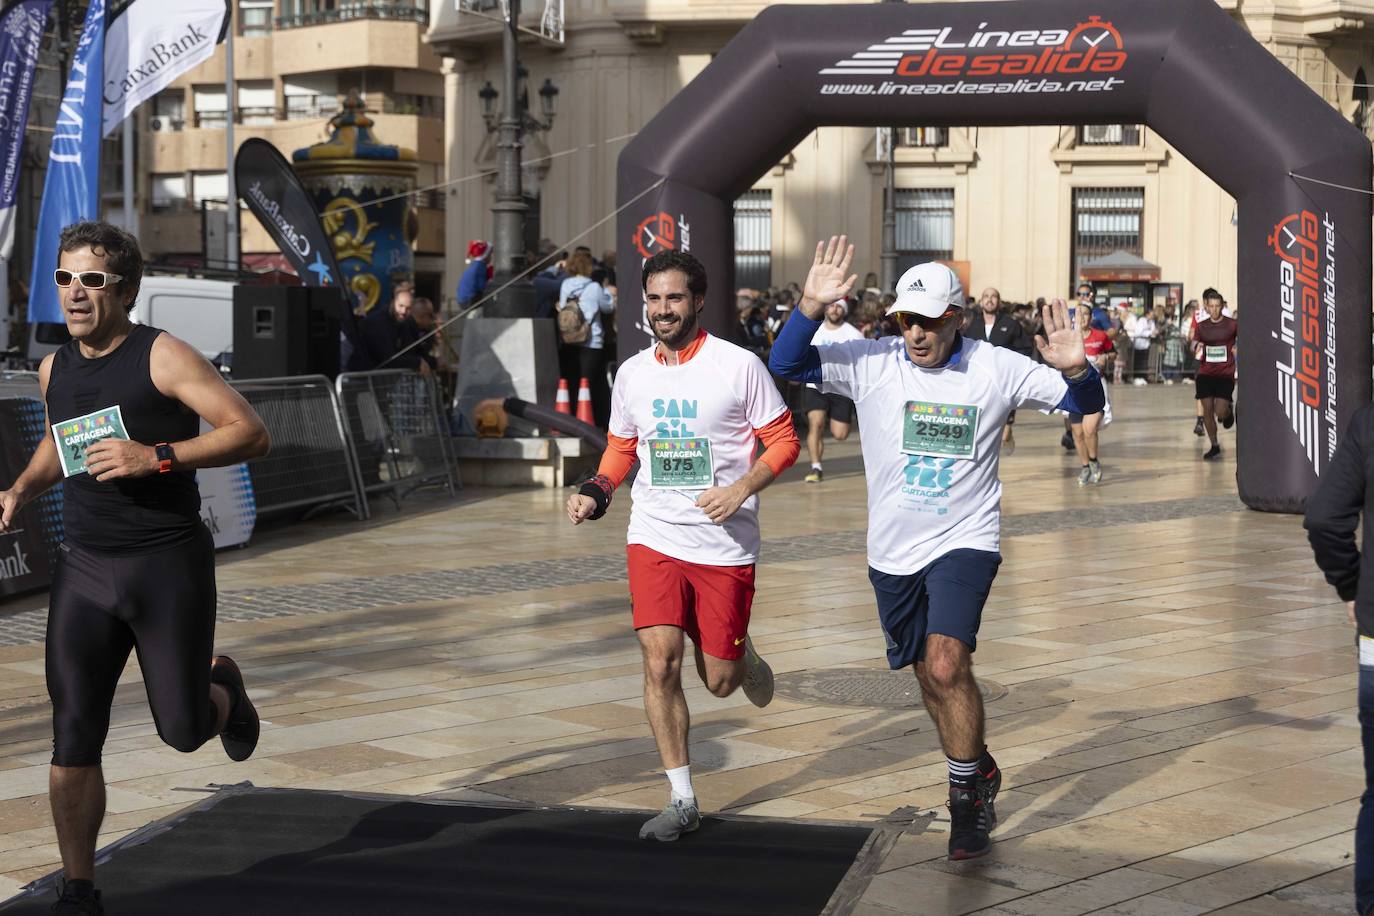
(1178, 729)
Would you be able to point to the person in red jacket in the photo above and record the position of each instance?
(691, 410)
(1215, 340)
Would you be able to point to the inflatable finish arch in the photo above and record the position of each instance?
(1181, 66)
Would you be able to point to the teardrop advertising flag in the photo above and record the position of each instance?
(266, 182)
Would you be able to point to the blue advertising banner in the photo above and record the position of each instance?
(71, 191)
(21, 33)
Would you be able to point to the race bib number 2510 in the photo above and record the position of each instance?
(76, 435)
(939, 430)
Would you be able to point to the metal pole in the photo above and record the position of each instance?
(508, 212)
(889, 256)
(231, 220)
(130, 222)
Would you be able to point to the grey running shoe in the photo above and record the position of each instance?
(1096, 468)
(678, 817)
(1085, 476)
(758, 676)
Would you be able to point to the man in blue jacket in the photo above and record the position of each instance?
(932, 405)
(474, 280)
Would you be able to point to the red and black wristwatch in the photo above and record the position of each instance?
(164, 457)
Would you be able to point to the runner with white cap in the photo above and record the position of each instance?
(932, 405)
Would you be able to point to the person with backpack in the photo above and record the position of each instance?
(581, 304)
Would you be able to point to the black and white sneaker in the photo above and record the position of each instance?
(240, 735)
(971, 819)
(1198, 429)
(1212, 453)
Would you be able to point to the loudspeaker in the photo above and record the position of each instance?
(286, 330)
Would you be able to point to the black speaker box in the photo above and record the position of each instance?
(286, 330)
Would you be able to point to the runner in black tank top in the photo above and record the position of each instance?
(137, 568)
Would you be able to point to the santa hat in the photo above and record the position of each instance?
(477, 250)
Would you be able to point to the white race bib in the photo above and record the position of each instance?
(1215, 355)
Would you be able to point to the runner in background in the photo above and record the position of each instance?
(1215, 339)
(820, 407)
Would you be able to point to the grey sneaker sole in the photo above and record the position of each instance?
(667, 825)
(758, 676)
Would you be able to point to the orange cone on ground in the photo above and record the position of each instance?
(561, 403)
(584, 403)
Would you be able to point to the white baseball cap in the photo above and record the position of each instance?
(928, 289)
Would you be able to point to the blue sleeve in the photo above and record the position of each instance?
(1084, 396)
(792, 355)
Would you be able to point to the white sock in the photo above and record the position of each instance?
(816, 467)
(681, 778)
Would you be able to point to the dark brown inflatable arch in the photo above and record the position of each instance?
(1181, 66)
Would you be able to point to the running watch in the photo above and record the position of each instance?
(164, 457)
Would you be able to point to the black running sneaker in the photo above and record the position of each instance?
(1198, 428)
(971, 819)
(1230, 419)
(1066, 440)
(69, 904)
(240, 735)
(1212, 453)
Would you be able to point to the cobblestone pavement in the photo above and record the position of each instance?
(412, 588)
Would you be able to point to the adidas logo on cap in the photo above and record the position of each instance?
(917, 287)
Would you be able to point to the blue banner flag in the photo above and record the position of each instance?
(21, 34)
(71, 191)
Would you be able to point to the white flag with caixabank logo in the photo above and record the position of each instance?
(152, 43)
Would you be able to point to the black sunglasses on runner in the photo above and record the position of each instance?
(905, 320)
(89, 279)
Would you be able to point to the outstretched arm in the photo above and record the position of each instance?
(792, 355)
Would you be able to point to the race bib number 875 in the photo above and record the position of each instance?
(680, 464)
(939, 430)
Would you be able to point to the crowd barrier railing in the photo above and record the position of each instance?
(397, 430)
(311, 463)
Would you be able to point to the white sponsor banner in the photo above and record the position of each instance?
(228, 506)
(152, 43)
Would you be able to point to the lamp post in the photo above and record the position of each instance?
(509, 210)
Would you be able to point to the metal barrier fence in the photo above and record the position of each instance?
(1168, 358)
(311, 462)
(399, 437)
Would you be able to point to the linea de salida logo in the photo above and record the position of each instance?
(1306, 250)
(1087, 52)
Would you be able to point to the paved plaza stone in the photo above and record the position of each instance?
(1170, 681)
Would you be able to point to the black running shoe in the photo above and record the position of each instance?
(1230, 420)
(971, 818)
(1066, 440)
(69, 904)
(1198, 428)
(1212, 453)
(240, 735)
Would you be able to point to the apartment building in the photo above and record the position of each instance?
(294, 60)
(1021, 208)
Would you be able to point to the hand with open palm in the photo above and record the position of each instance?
(827, 283)
(1061, 346)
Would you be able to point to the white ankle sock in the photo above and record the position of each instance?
(681, 779)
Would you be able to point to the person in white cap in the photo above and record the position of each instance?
(932, 405)
(818, 406)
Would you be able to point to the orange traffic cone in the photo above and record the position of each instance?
(561, 403)
(584, 403)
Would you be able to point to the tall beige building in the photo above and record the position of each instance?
(1022, 207)
(294, 60)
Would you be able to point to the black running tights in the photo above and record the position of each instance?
(160, 604)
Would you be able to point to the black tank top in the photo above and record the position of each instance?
(136, 515)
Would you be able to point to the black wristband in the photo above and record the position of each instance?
(599, 490)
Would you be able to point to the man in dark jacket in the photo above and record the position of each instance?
(1000, 329)
(547, 284)
(386, 331)
(1333, 512)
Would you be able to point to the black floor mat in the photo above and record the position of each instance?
(298, 853)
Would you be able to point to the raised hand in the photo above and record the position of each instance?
(1061, 346)
(827, 280)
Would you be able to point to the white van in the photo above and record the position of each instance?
(200, 312)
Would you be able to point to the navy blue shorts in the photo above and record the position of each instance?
(945, 597)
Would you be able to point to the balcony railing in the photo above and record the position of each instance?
(927, 137)
(305, 108)
(1109, 135)
(373, 10)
